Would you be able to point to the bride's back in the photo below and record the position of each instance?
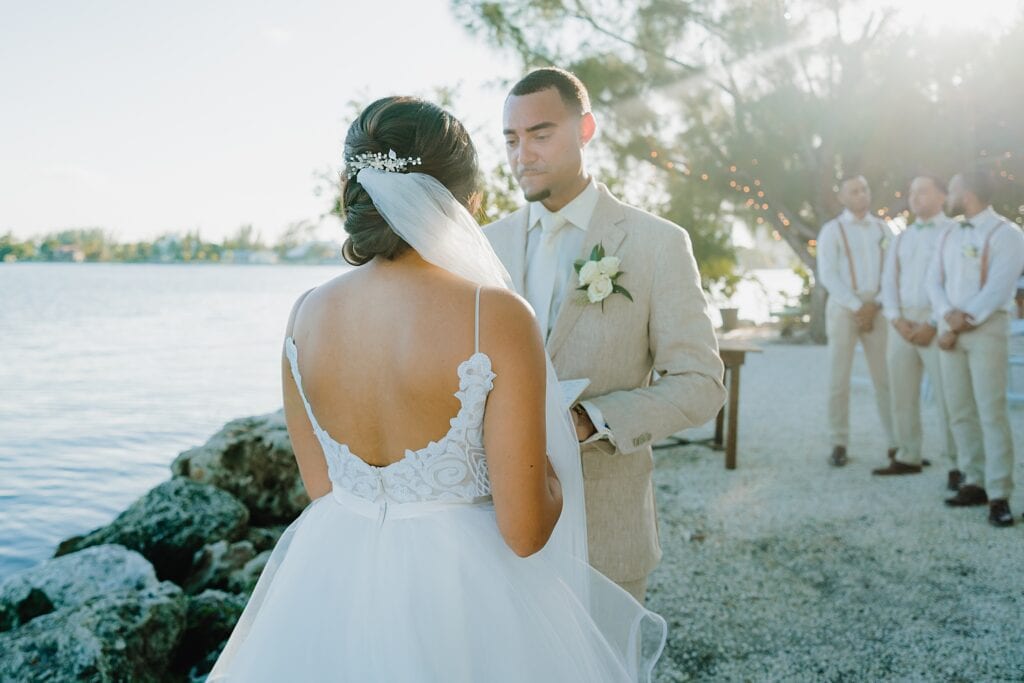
(379, 350)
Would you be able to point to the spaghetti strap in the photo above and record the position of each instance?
(476, 322)
(292, 352)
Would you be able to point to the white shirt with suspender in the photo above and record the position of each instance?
(907, 261)
(850, 258)
(976, 267)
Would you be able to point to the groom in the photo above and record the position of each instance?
(650, 317)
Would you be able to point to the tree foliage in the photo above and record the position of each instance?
(751, 111)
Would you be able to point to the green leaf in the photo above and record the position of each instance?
(619, 289)
(578, 265)
(594, 252)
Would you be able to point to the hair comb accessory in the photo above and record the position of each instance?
(389, 163)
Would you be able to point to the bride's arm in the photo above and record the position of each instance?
(527, 495)
(308, 453)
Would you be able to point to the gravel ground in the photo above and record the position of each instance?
(788, 569)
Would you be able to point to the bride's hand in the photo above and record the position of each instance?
(581, 420)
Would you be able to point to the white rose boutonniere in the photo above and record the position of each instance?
(598, 276)
(970, 251)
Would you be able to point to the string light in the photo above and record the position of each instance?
(751, 203)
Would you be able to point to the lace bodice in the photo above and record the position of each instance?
(451, 469)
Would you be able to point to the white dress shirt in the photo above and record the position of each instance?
(868, 239)
(909, 257)
(955, 274)
(569, 244)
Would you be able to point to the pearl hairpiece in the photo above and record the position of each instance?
(389, 163)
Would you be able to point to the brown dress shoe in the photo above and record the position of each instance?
(897, 467)
(838, 457)
(999, 513)
(891, 454)
(954, 479)
(968, 495)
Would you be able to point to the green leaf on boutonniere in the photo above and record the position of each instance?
(597, 253)
(578, 265)
(619, 289)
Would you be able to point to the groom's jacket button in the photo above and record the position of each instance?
(642, 439)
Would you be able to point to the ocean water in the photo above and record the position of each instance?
(108, 371)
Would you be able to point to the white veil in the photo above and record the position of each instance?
(422, 211)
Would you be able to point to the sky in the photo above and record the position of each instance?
(146, 117)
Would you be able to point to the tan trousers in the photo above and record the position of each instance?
(638, 588)
(843, 336)
(974, 379)
(907, 362)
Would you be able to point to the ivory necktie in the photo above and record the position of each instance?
(542, 270)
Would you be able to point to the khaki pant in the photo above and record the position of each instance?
(638, 588)
(843, 336)
(974, 379)
(907, 362)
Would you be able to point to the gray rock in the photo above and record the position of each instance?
(214, 563)
(210, 618)
(71, 580)
(128, 635)
(169, 524)
(252, 458)
(264, 538)
(244, 580)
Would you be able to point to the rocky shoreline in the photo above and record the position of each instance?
(784, 569)
(153, 595)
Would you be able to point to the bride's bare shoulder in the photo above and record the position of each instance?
(507, 322)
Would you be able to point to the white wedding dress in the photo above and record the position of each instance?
(400, 574)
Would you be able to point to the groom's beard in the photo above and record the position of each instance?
(538, 196)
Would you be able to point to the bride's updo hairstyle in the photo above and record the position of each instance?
(413, 128)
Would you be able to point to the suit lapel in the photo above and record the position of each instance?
(604, 228)
(517, 251)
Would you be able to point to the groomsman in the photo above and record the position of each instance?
(971, 284)
(913, 348)
(851, 250)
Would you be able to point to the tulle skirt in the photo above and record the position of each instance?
(356, 591)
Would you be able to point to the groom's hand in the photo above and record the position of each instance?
(584, 426)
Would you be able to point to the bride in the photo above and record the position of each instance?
(446, 540)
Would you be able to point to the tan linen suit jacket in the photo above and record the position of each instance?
(665, 328)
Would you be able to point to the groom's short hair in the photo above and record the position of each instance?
(569, 87)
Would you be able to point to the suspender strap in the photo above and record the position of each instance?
(896, 247)
(849, 256)
(984, 255)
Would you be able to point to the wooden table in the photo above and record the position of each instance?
(727, 424)
(733, 354)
